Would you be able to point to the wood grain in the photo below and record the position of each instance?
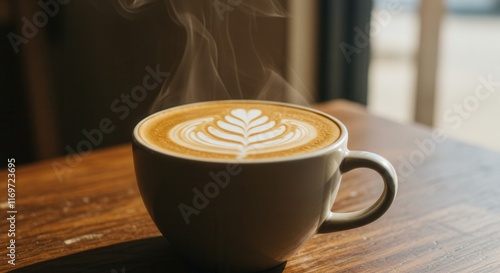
(446, 217)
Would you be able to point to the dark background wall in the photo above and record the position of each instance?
(100, 56)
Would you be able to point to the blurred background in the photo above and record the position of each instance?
(465, 42)
(70, 69)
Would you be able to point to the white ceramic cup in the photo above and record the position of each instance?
(230, 216)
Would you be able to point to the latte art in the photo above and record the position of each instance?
(240, 130)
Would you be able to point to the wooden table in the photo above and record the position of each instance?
(446, 217)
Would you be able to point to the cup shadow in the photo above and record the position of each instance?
(149, 255)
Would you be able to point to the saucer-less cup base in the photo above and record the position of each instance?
(252, 216)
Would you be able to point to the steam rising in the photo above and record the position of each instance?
(224, 57)
(128, 7)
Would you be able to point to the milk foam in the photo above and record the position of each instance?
(242, 132)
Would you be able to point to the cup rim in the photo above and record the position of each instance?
(337, 144)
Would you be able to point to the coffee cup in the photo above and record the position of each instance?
(241, 185)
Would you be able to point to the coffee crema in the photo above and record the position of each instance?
(241, 130)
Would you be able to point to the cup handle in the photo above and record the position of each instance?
(359, 159)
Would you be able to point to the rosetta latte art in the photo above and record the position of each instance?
(242, 132)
